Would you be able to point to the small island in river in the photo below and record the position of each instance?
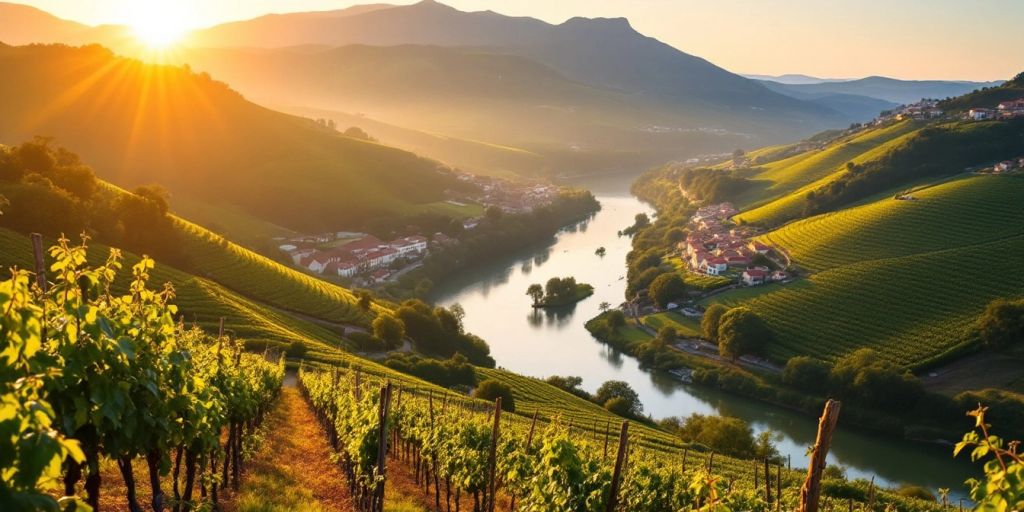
(559, 292)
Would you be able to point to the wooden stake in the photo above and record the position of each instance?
(613, 496)
(492, 462)
(382, 445)
(810, 493)
(767, 482)
(37, 252)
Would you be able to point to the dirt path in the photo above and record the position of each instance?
(293, 470)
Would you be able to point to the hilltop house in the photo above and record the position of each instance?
(714, 266)
(754, 276)
(980, 114)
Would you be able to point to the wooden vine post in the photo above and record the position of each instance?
(811, 490)
(492, 458)
(613, 493)
(40, 263)
(382, 445)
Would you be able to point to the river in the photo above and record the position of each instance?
(544, 343)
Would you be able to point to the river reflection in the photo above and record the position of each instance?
(554, 342)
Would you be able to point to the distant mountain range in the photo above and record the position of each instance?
(583, 96)
(881, 88)
(795, 78)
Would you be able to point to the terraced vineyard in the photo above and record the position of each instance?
(792, 178)
(961, 212)
(906, 278)
(257, 276)
(202, 302)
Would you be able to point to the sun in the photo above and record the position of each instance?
(158, 24)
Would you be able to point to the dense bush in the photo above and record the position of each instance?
(454, 371)
(1002, 323)
(667, 288)
(806, 374)
(740, 332)
(867, 379)
(569, 383)
(627, 401)
(723, 434)
(437, 330)
(491, 389)
(389, 329)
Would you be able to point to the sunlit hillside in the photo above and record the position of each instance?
(141, 124)
(906, 277)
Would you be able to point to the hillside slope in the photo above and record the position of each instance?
(141, 124)
(904, 277)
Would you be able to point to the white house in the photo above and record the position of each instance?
(753, 276)
(979, 114)
(714, 266)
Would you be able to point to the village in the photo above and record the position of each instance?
(716, 247)
(368, 260)
(1006, 110)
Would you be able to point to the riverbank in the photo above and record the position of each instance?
(547, 342)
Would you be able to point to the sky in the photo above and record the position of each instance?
(911, 39)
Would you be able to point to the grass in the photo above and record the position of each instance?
(583, 290)
(463, 211)
(292, 471)
(684, 325)
(905, 278)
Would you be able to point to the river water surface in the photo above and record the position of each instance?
(544, 343)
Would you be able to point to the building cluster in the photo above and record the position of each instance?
(920, 111)
(509, 196)
(1008, 165)
(714, 245)
(347, 254)
(1006, 110)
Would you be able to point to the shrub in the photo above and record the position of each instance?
(296, 349)
(741, 332)
(807, 374)
(666, 288)
(492, 389)
(723, 434)
(619, 389)
(709, 323)
(1002, 323)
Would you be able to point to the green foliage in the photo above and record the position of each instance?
(152, 388)
(713, 186)
(863, 377)
(1002, 323)
(709, 322)
(437, 330)
(806, 373)
(722, 434)
(389, 329)
(491, 389)
(569, 383)
(740, 332)
(626, 400)
(454, 371)
(666, 288)
(615, 319)
(1003, 485)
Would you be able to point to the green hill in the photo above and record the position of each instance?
(881, 161)
(139, 124)
(904, 277)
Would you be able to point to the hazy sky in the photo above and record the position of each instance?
(948, 39)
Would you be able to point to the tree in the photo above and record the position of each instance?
(365, 299)
(674, 236)
(1002, 323)
(709, 322)
(764, 445)
(641, 220)
(604, 306)
(491, 389)
(806, 373)
(666, 334)
(601, 251)
(621, 390)
(296, 349)
(536, 292)
(666, 288)
(616, 319)
(723, 434)
(569, 383)
(389, 329)
(358, 133)
(740, 332)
